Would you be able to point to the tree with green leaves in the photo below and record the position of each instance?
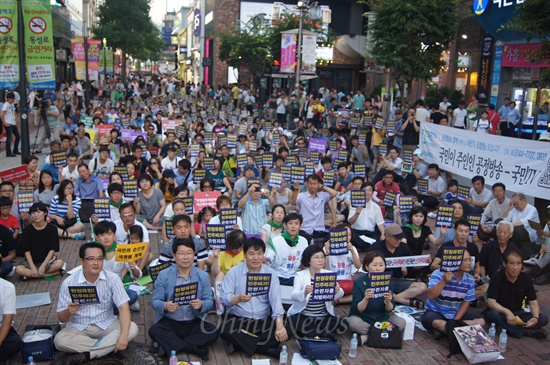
(409, 36)
(130, 29)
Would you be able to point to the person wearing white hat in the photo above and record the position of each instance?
(545, 136)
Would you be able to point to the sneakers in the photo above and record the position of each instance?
(432, 215)
(135, 307)
(79, 236)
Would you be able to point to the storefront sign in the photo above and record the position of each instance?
(517, 55)
(197, 23)
(521, 167)
(485, 68)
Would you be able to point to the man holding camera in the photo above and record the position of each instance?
(50, 113)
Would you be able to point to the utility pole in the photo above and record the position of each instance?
(23, 107)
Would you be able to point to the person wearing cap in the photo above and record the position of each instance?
(544, 136)
(167, 185)
(171, 160)
(102, 166)
(405, 292)
(104, 142)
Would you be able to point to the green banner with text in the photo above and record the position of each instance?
(9, 48)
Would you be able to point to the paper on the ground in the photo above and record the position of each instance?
(137, 288)
(367, 239)
(75, 270)
(298, 359)
(32, 300)
(328, 362)
(261, 362)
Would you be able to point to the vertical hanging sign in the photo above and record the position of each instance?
(39, 48)
(288, 53)
(9, 48)
(110, 70)
(94, 49)
(309, 45)
(79, 57)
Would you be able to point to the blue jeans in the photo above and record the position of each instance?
(493, 316)
(5, 268)
(133, 298)
(12, 131)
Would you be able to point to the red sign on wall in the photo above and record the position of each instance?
(517, 55)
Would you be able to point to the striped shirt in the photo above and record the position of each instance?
(109, 290)
(60, 209)
(453, 294)
(254, 216)
(201, 253)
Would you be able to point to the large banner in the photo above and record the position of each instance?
(94, 49)
(39, 49)
(288, 53)
(79, 57)
(523, 166)
(106, 53)
(9, 46)
(309, 60)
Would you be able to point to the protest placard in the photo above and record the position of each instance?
(451, 259)
(383, 149)
(58, 159)
(291, 160)
(215, 235)
(267, 160)
(463, 192)
(338, 242)
(445, 214)
(408, 156)
(15, 174)
(102, 208)
(329, 178)
(257, 284)
(231, 141)
(185, 293)
(287, 172)
(422, 185)
(242, 160)
(130, 252)
(324, 287)
(209, 163)
(84, 294)
(130, 188)
(228, 218)
(407, 261)
(535, 225)
(360, 169)
(275, 180)
(309, 168)
(314, 156)
(319, 145)
(389, 198)
(155, 270)
(198, 175)
(406, 203)
(298, 174)
(203, 199)
(25, 201)
(168, 227)
(358, 198)
(475, 221)
(380, 284)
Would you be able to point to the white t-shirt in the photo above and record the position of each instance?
(422, 114)
(167, 164)
(342, 265)
(281, 105)
(102, 169)
(459, 115)
(122, 235)
(7, 298)
(483, 126)
(67, 174)
(286, 261)
(443, 106)
(9, 115)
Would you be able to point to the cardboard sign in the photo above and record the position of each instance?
(257, 284)
(360, 169)
(15, 174)
(275, 180)
(475, 221)
(242, 160)
(276, 139)
(194, 150)
(291, 160)
(25, 201)
(209, 163)
(231, 141)
(389, 198)
(309, 168)
(406, 203)
(358, 198)
(407, 261)
(58, 159)
(169, 124)
(215, 235)
(155, 270)
(380, 284)
(203, 199)
(422, 185)
(130, 188)
(314, 156)
(319, 145)
(180, 130)
(338, 242)
(185, 293)
(383, 149)
(390, 126)
(329, 178)
(228, 218)
(267, 160)
(189, 203)
(102, 208)
(445, 214)
(287, 172)
(451, 260)
(298, 174)
(324, 287)
(463, 192)
(169, 229)
(130, 252)
(379, 124)
(253, 180)
(104, 129)
(408, 156)
(354, 123)
(84, 294)
(198, 175)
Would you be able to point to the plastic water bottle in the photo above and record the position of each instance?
(31, 361)
(353, 346)
(492, 332)
(283, 357)
(503, 340)
(173, 358)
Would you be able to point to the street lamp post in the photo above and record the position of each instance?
(105, 61)
(85, 4)
(302, 6)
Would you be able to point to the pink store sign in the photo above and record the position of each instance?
(517, 55)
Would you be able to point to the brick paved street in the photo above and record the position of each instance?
(422, 350)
